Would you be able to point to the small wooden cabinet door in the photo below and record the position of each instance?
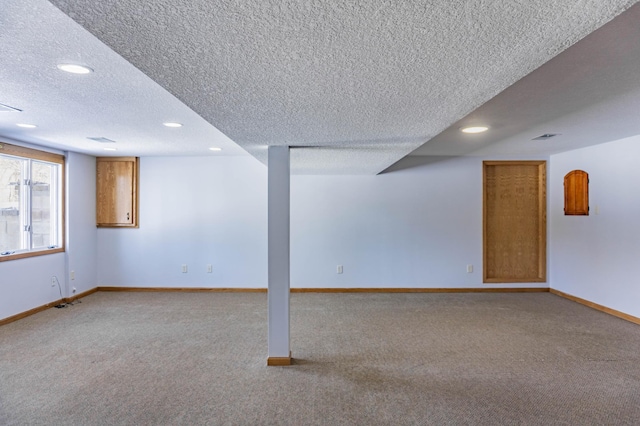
(576, 193)
(117, 191)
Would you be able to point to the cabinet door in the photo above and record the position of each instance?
(576, 193)
(117, 181)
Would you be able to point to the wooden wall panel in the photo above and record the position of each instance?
(514, 221)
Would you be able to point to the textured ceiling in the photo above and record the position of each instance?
(117, 101)
(365, 82)
(359, 84)
(589, 94)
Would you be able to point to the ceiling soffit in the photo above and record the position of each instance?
(364, 82)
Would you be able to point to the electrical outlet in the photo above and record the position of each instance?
(339, 269)
(184, 268)
(72, 275)
(209, 268)
(469, 269)
(53, 281)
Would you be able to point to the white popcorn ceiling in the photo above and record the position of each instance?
(362, 82)
(117, 101)
(587, 95)
(369, 81)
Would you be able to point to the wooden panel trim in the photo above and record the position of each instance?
(596, 306)
(30, 312)
(559, 293)
(80, 295)
(21, 151)
(513, 280)
(46, 306)
(423, 290)
(34, 253)
(329, 290)
(184, 289)
(116, 158)
(264, 290)
(513, 162)
(275, 361)
(542, 219)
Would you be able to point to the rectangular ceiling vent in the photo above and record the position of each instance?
(7, 108)
(545, 136)
(101, 140)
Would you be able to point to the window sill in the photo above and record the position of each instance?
(33, 253)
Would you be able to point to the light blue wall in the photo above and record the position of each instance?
(26, 283)
(415, 227)
(595, 257)
(418, 227)
(194, 211)
(81, 220)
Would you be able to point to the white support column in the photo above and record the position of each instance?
(278, 254)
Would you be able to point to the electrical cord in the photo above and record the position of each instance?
(63, 304)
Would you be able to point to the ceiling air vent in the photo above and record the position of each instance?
(101, 140)
(7, 108)
(545, 136)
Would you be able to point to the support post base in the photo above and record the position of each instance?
(274, 361)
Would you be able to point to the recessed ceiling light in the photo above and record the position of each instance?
(474, 129)
(215, 148)
(75, 68)
(111, 149)
(172, 124)
(26, 126)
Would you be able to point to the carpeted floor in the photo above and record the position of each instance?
(362, 359)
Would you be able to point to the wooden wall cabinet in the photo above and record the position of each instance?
(117, 192)
(576, 193)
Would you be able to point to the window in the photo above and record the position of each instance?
(31, 202)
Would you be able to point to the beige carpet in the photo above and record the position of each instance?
(199, 358)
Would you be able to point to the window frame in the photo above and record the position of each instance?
(49, 157)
